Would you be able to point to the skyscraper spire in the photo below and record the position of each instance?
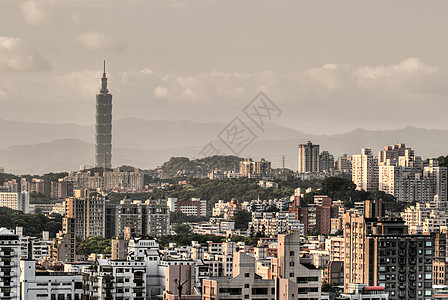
(104, 81)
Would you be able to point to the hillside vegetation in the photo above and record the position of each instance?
(33, 225)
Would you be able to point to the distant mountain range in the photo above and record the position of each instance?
(34, 148)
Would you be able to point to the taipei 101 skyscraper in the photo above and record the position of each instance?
(103, 145)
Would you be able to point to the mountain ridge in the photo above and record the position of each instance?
(151, 144)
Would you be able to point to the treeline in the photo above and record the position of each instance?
(185, 240)
(94, 244)
(242, 189)
(183, 167)
(33, 225)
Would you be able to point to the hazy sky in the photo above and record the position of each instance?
(330, 66)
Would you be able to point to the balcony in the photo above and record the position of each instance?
(7, 253)
(7, 264)
(7, 295)
(5, 284)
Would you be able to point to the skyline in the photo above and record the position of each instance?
(317, 61)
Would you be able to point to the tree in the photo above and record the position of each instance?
(272, 208)
(182, 229)
(33, 224)
(329, 287)
(93, 244)
(242, 219)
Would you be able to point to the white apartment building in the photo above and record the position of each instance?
(48, 285)
(365, 170)
(112, 279)
(15, 200)
(439, 175)
(274, 223)
(41, 248)
(220, 207)
(390, 180)
(415, 215)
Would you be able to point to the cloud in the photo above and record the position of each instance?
(330, 76)
(17, 55)
(161, 92)
(177, 4)
(36, 11)
(98, 41)
(84, 84)
(410, 76)
(146, 71)
(408, 67)
(3, 94)
(367, 93)
(322, 84)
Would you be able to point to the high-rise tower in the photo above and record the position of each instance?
(103, 146)
(308, 158)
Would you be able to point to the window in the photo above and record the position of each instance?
(246, 275)
(259, 291)
(291, 264)
(246, 286)
(291, 253)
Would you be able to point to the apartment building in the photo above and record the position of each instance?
(46, 285)
(246, 284)
(380, 252)
(309, 158)
(288, 265)
(365, 170)
(16, 200)
(88, 214)
(108, 279)
(9, 265)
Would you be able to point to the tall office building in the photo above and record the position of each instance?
(308, 158)
(103, 146)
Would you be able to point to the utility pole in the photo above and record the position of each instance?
(179, 286)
